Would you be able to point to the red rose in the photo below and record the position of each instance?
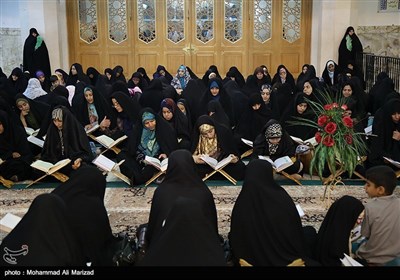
(330, 128)
(328, 107)
(318, 137)
(349, 139)
(344, 107)
(322, 120)
(328, 141)
(347, 121)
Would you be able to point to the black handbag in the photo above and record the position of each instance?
(125, 250)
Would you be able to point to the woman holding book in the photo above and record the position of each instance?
(275, 142)
(66, 138)
(216, 141)
(94, 110)
(266, 228)
(14, 150)
(152, 137)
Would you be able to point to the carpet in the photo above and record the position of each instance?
(129, 207)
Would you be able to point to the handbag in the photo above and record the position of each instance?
(125, 250)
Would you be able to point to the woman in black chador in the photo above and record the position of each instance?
(152, 136)
(14, 150)
(349, 47)
(216, 141)
(186, 239)
(181, 180)
(66, 138)
(36, 55)
(266, 228)
(43, 237)
(83, 195)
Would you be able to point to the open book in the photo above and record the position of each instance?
(395, 163)
(215, 164)
(349, 261)
(108, 165)
(311, 141)
(160, 165)
(280, 163)
(300, 210)
(108, 142)
(9, 222)
(48, 167)
(31, 131)
(247, 142)
(93, 128)
(36, 141)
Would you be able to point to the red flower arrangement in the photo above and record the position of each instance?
(338, 143)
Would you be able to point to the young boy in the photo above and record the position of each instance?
(381, 224)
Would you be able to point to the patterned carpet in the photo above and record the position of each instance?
(129, 207)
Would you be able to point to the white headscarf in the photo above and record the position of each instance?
(34, 89)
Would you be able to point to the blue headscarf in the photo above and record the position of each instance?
(148, 142)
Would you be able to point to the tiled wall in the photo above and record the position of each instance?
(11, 49)
(380, 40)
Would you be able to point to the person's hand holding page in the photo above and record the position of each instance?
(105, 123)
(396, 135)
(198, 160)
(16, 155)
(77, 164)
(234, 158)
(162, 156)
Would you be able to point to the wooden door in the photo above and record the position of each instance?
(135, 34)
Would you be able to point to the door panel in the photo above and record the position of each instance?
(246, 53)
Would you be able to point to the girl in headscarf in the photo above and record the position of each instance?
(181, 180)
(32, 113)
(44, 81)
(137, 80)
(14, 150)
(142, 71)
(36, 55)
(186, 238)
(18, 81)
(333, 239)
(181, 79)
(95, 110)
(171, 113)
(62, 76)
(216, 141)
(330, 75)
(275, 142)
(44, 237)
(235, 75)
(76, 75)
(386, 126)
(215, 91)
(152, 136)
(162, 71)
(34, 90)
(283, 76)
(119, 73)
(255, 81)
(66, 138)
(266, 228)
(127, 113)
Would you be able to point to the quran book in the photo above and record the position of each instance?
(108, 142)
(31, 131)
(36, 141)
(395, 163)
(9, 222)
(349, 261)
(247, 142)
(93, 128)
(311, 141)
(216, 165)
(160, 165)
(48, 167)
(280, 163)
